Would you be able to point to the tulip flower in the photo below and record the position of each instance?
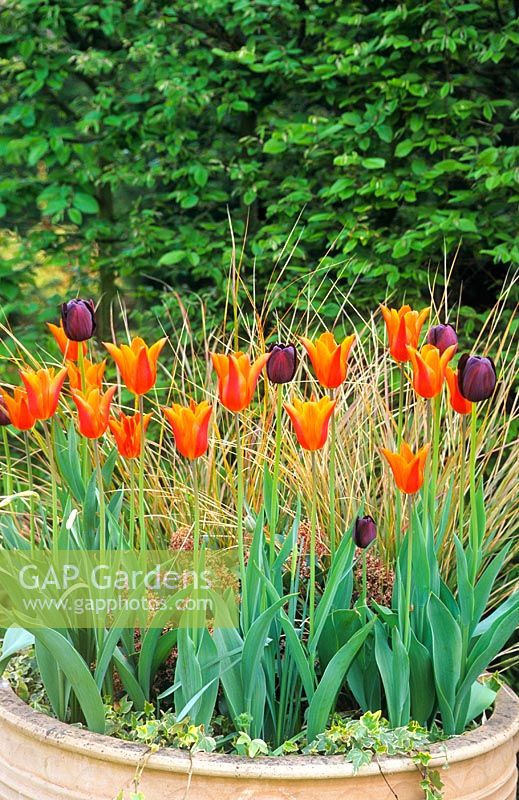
(93, 410)
(69, 348)
(190, 427)
(407, 468)
(128, 433)
(476, 377)
(281, 366)
(79, 319)
(403, 329)
(237, 378)
(457, 401)
(364, 531)
(329, 359)
(311, 420)
(43, 390)
(137, 363)
(94, 374)
(18, 409)
(429, 369)
(442, 337)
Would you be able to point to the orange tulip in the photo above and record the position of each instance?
(43, 390)
(237, 378)
(429, 368)
(457, 401)
(311, 421)
(137, 363)
(329, 359)
(69, 348)
(93, 374)
(18, 409)
(407, 468)
(190, 427)
(403, 328)
(93, 410)
(128, 433)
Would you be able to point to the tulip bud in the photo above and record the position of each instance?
(4, 416)
(476, 377)
(365, 531)
(79, 320)
(281, 366)
(442, 337)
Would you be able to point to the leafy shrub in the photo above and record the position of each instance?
(129, 130)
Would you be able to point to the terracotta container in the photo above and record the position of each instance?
(41, 759)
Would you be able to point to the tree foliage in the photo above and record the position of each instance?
(129, 128)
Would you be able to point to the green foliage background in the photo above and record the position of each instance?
(130, 129)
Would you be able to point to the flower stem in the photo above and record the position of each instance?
(30, 482)
(239, 522)
(142, 526)
(364, 603)
(462, 476)
(274, 505)
(407, 619)
(131, 533)
(313, 528)
(196, 512)
(54, 486)
(84, 444)
(435, 455)
(401, 405)
(8, 464)
(100, 488)
(473, 510)
(332, 531)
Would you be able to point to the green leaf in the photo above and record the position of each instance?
(373, 163)
(78, 675)
(393, 664)
(330, 684)
(447, 655)
(404, 148)
(85, 203)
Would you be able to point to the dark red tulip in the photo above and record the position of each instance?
(79, 319)
(476, 377)
(365, 531)
(281, 366)
(4, 416)
(442, 337)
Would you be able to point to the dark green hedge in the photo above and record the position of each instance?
(391, 131)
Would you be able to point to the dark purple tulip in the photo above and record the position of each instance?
(281, 366)
(4, 417)
(476, 377)
(365, 531)
(442, 337)
(79, 319)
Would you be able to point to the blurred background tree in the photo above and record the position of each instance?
(386, 134)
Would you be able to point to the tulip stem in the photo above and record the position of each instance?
(84, 446)
(131, 533)
(142, 527)
(463, 435)
(407, 619)
(401, 405)
(435, 456)
(474, 543)
(364, 604)
(427, 478)
(100, 488)
(274, 503)
(196, 512)
(313, 528)
(54, 486)
(239, 522)
(8, 465)
(332, 531)
(30, 482)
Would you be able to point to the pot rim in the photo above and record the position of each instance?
(502, 725)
